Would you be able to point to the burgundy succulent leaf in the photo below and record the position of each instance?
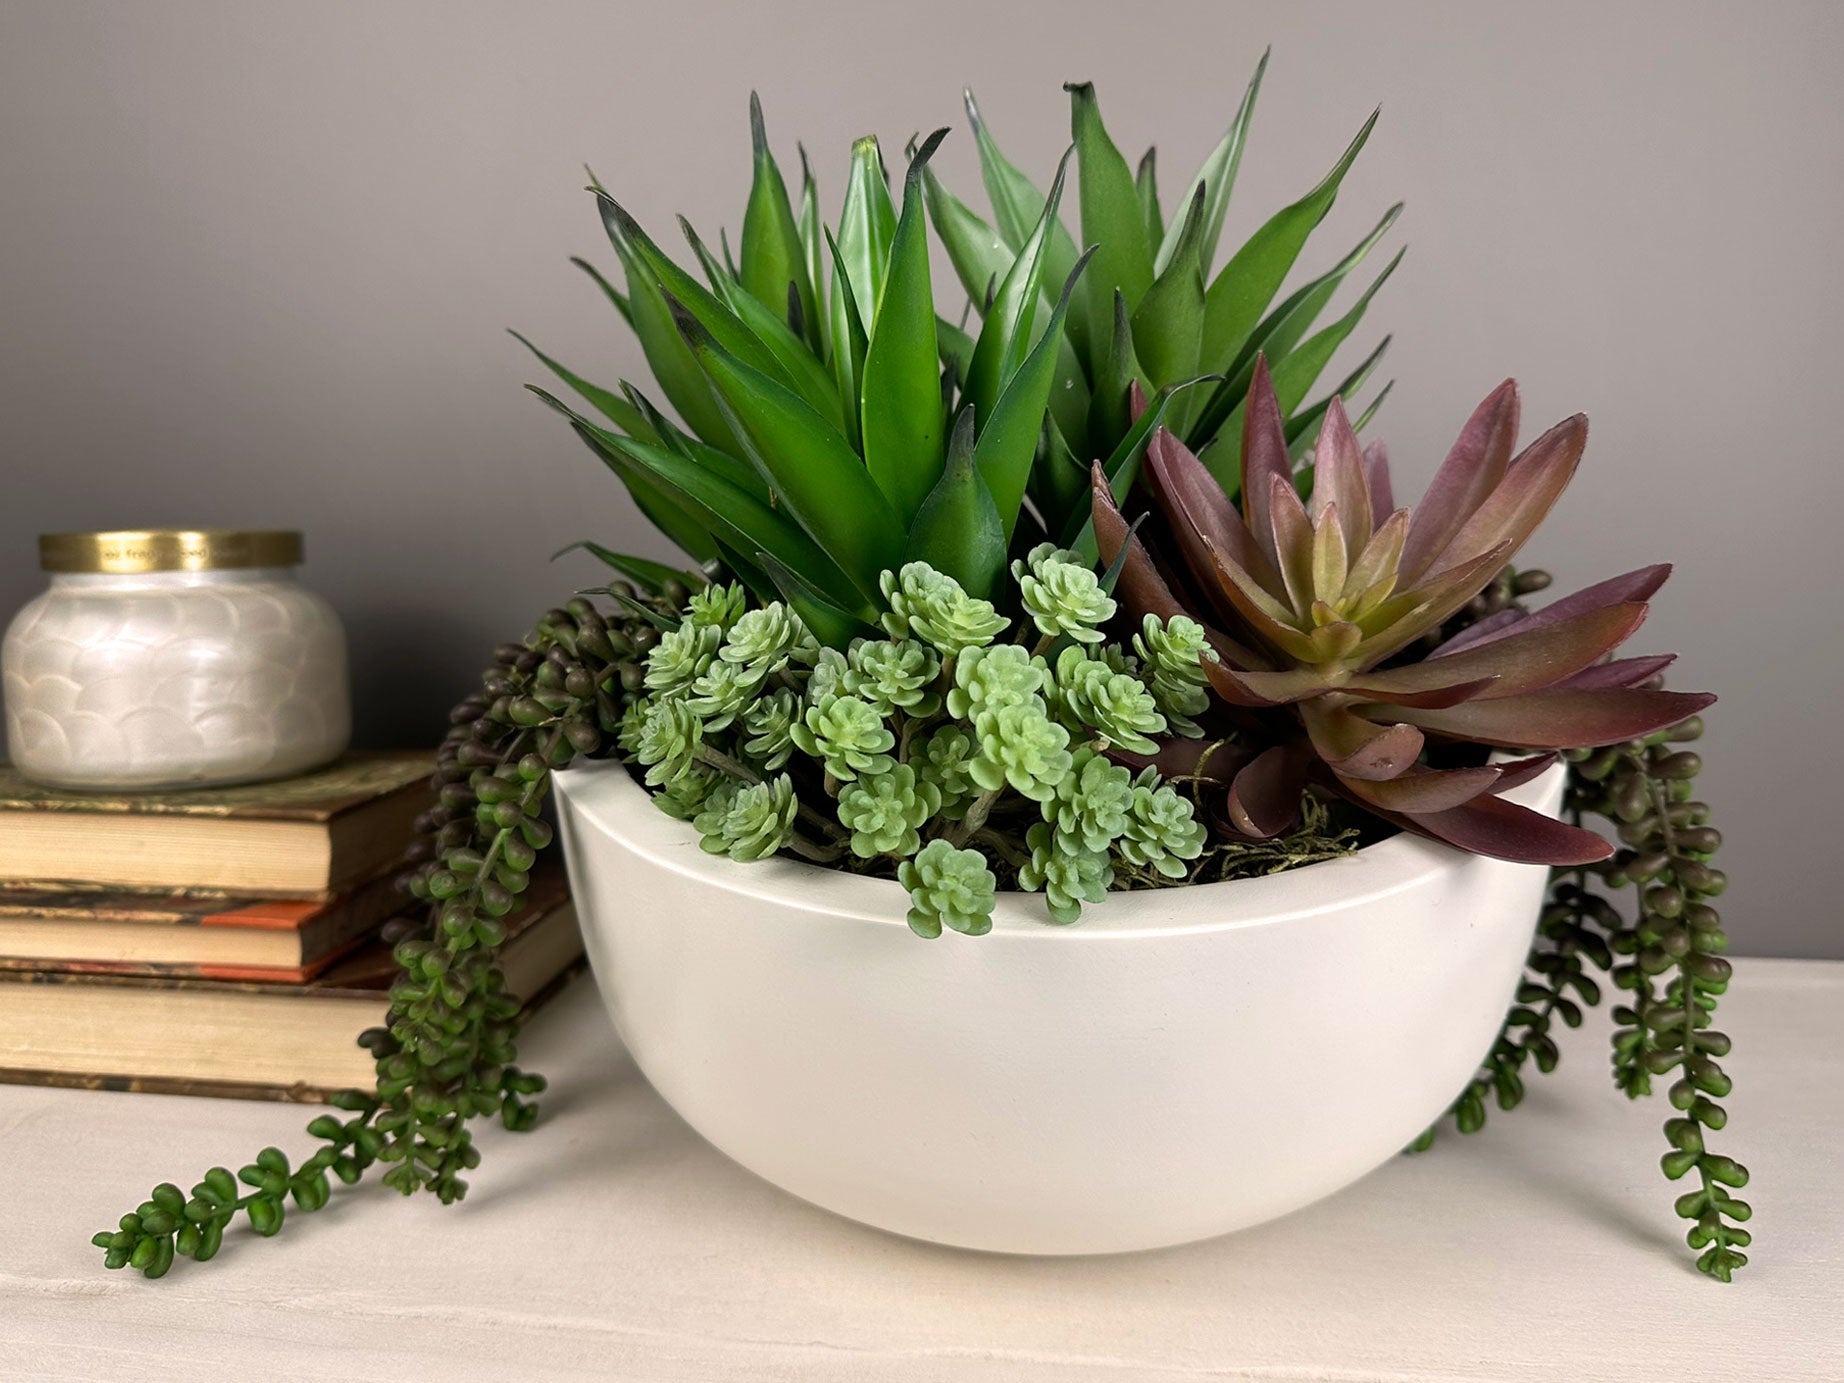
(1314, 608)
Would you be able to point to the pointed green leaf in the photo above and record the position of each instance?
(813, 254)
(1248, 283)
(1016, 205)
(1123, 467)
(1059, 482)
(609, 404)
(1168, 326)
(849, 345)
(1111, 218)
(786, 360)
(733, 469)
(956, 347)
(981, 260)
(957, 530)
(1108, 411)
(725, 288)
(1008, 438)
(867, 230)
(772, 254)
(799, 366)
(1006, 335)
(664, 509)
(746, 523)
(1292, 378)
(1146, 183)
(1285, 326)
(978, 253)
(1363, 419)
(1303, 427)
(614, 295)
(831, 625)
(900, 413)
(670, 359)
(806, 462)
(648, 575)
(1217, 177)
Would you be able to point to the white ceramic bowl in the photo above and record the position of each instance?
(1178, 1064)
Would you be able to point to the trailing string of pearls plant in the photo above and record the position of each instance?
(1672, 935)
(446, 1055)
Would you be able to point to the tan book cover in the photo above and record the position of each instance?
(222, 1037)
(300, 837)
(113, 931)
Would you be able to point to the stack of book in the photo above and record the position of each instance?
(221, 941)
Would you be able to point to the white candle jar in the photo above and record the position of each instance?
(173, 658)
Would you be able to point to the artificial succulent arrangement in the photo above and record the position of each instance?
(1086, 597)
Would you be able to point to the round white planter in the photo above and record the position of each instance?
(1178, 1064)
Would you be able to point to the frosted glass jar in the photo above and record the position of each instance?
(173, 659)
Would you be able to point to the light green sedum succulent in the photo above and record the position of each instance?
(1067, 875)
(885, 811)
(933, 607)
(847, 733)
(950, 888)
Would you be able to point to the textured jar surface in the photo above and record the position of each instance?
(174, 679)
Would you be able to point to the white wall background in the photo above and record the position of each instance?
(255, 259)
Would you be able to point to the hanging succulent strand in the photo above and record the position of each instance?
(446, 1055)
(1673, 937)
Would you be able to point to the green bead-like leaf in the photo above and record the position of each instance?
(901, 408)
(958, 531)
(772, 255)
(1248, 283)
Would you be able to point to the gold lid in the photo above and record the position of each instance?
(168, 549)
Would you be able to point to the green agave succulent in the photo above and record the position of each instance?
(821, 423)
(818, 442)
(1153, 316)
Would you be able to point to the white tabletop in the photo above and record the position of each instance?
(612, 1243)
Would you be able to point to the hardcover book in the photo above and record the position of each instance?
(247, 1040)
(303, 836)
(110, 931)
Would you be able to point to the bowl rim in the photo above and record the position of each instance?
(602, 795)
